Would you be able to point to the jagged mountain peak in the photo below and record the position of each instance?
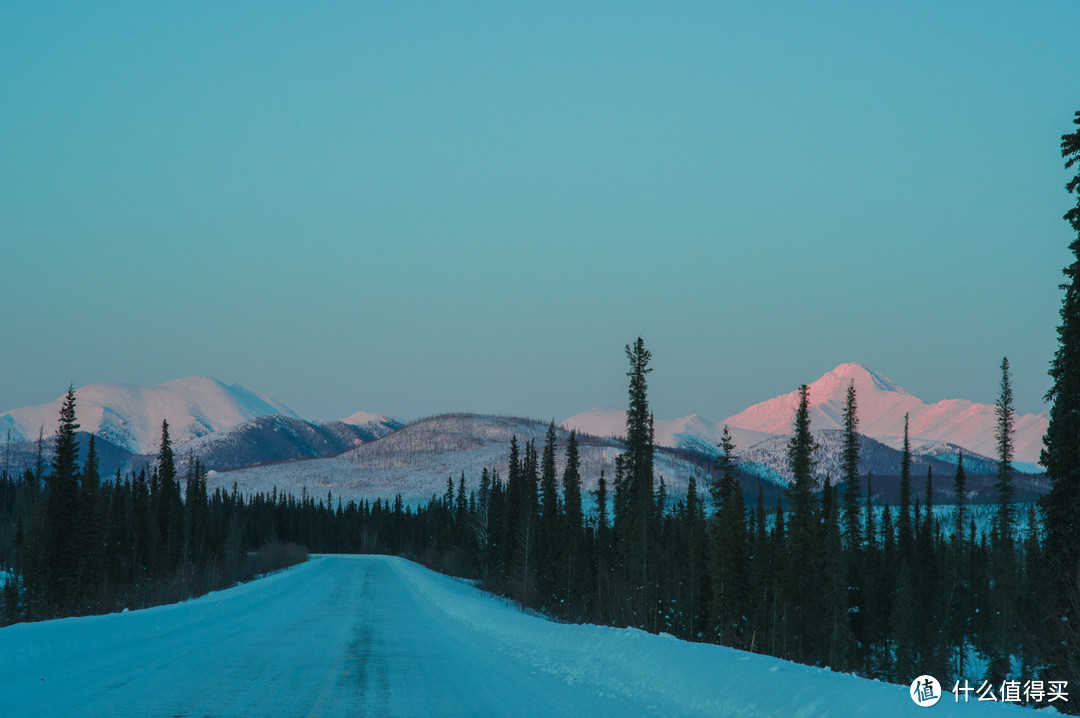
(838, 380)
(881, 404)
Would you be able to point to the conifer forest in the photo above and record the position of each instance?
(823, 577)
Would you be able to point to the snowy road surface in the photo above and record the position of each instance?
(379, 636)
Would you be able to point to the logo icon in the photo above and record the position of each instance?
(925, 691)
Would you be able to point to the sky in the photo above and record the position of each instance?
(415, 208)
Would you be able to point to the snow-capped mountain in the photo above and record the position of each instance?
(881, 409)
(130, 416)
(940, 428)
(363, 418)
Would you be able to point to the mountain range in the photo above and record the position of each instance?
(224, 426)
(943, 428)
(130, 416)
(257, 442)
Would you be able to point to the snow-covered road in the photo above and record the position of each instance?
(379, 636)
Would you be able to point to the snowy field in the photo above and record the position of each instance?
(379, 636)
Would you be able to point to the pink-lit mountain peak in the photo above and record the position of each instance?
(834, 384)
(881, 408)
(881, 404)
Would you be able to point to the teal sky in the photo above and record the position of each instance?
(415, 207)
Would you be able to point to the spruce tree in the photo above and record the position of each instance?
(729, 599)
(960, 490)
(169, 515)
(573, 527)
(61, 514)
(694, 549)
(513, 498)
(905, 533)
(957, 605)
(91, 531)
(1061, 457)
(870, 532)
(550, 536)
(637, 536)
(1000, 638)
(1003, 435)
(839, 639)
(805, 546)
(850, 466)
(603, 550)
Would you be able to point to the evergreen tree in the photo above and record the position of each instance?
(905, 533)
(804, 537)
(960, 490)
(91, 531)
(1003, 435)
(1061, 457)
(850, 466)
(694, 551)
(729, 605)
(636, 535)
(885, 585)
(39, 461)
(61, 556)
(573, 527)
(839, 639)
(513, 499)
(957, 604)
(550, 536)
(603, 550)
(169, 510)
(727, 471)
(760, 577)
(870, 532)
(1000, 639)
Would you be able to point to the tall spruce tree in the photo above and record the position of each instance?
(1000, 639)
(62, 514)
(958, 602)
(637, 533)
(850, 466)
(729, 600)
(170, 518)
(550, 536)
(1061, 457)
(1003, 435)
(805, 545)
(513, 498)
(574, 528)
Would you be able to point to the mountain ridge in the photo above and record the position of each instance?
(130, 415)
(881, 407)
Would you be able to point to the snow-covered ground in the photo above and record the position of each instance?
(372, 635)
(416, 461)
